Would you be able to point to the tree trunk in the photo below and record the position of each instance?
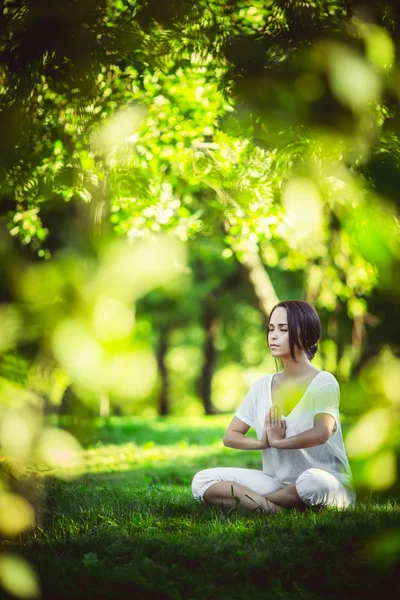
(211, 329)
(163, 399)
(261, 283)
(256, 272)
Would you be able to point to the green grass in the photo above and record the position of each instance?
(128, 526)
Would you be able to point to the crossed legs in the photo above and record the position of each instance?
(285, 498)
(257, 491)
(221, 493)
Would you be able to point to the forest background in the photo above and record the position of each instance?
(169, 171)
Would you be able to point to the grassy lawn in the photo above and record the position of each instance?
(128, 525)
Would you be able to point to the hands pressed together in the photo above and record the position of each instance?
(274, 428)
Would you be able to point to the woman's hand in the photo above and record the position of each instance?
(264, 439)
(274, 426)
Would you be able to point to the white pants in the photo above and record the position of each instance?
(314, 486)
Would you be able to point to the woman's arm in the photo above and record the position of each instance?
(241, 442)
(316, 436)
(235, 437)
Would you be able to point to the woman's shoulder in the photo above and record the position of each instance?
(260, 383)
(325, 377)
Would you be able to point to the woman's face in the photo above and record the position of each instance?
(278, 333)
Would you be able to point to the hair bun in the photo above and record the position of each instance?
(311, 351)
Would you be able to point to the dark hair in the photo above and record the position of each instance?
(303, 324)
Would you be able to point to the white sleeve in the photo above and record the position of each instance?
(247, 410)
(327, 401)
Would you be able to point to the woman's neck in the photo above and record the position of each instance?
(300, 370)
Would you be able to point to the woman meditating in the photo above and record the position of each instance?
(295, 413)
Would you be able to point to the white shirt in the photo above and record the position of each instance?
(321, 396)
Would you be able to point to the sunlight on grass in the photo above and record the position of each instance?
(124, 444)
(124, 457)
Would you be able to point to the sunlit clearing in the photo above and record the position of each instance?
(381, 471)
(59, 449)
(18, 577)
(380, 48)
(353, 80)
(10, 324)
(119, 130)
(80, 354)
(302, 202)
(131, 457)
(369, 434)
(16, 514)
(133, 374)
(112, 320)
(128, 272)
